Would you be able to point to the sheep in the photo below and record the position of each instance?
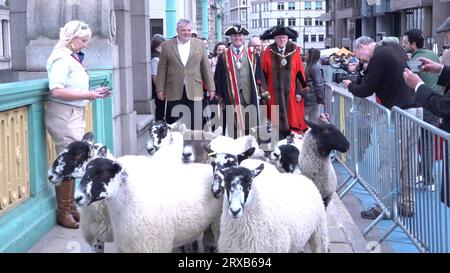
(286, 153)
(314, 160)
(271, 213)
(95, 224)
(151, 215)
(71, 162)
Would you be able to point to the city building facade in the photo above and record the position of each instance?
(304, 16)
(346, 20)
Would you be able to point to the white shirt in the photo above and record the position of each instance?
(154, 63)
(184, 50)
(240, 49)
(64, 71)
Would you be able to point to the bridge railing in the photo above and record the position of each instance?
(27, 206)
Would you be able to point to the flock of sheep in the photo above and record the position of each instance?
(198, 184)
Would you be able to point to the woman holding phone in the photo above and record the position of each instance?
(69, 94)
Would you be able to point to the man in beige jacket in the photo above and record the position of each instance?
(183, 66)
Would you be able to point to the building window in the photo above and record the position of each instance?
(321, 37)
(280, 21)
(243, 15)
(260, 23)
(291, 22)
(281, 6)
(313, 38)
(308, 21)
(244, 3)
(318, 22)
(348, 3)
(318, 4)
(291, 6)
(307, 4)
(305, 38)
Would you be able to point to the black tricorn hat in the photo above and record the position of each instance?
(279, 30)
(445, 26)
(236, 29)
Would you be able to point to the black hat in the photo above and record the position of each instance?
(236, 29)
(279, 30)
(445, 26)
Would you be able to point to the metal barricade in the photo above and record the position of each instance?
(342, 117)
(421, 175)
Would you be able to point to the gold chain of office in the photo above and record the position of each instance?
(283, 57)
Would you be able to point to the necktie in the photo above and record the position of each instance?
(281, 51)
(237, 51)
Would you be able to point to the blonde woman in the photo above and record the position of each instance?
(69, 94)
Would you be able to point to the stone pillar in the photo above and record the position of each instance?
(17, 20)
(46, 17)
(140, 37)
(205, 19)
(125, 116)
(171, 18)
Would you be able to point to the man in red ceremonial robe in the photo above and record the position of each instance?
(283, 70)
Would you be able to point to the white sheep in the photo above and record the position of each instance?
(273, 212)
(314, 160)
(151, 213)
(286, 153)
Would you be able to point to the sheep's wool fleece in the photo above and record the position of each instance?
(283, 213)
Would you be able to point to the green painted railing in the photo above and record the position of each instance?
(22, 226)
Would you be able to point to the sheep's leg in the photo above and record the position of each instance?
(210, 237)
(319, 239)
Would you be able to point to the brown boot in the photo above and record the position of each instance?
(63, 200)
(73, 206)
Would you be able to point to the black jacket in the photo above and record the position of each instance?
(437, 104)
(384, 77)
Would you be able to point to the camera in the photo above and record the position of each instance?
(353, 77)
(414, 66)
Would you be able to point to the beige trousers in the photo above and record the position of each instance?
(65, 123)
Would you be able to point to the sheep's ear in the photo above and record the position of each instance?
(88, 138)
(181, 127)
(208, 149)
(245, 155)
(218, 132)
(257, 171)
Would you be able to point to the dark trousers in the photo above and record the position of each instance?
(193, 110)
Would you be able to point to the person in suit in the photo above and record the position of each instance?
(437, 104)
(183, 65)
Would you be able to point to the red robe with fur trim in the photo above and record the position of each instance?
(282, 83)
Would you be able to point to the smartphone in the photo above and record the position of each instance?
(414, 66)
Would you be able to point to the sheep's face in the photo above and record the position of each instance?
(70, 163)
(221, 161)
(101, 180)
(159, 130)
(285, 158)
(238, 184)
(328, 138)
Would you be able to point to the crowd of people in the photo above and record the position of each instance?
(249, 86)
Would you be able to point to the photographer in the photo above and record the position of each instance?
(386, 63)
(438, 104)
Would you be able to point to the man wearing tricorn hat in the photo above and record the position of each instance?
(282, 67)
(237, 77)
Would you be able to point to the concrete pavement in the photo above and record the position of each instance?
(344, 235)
